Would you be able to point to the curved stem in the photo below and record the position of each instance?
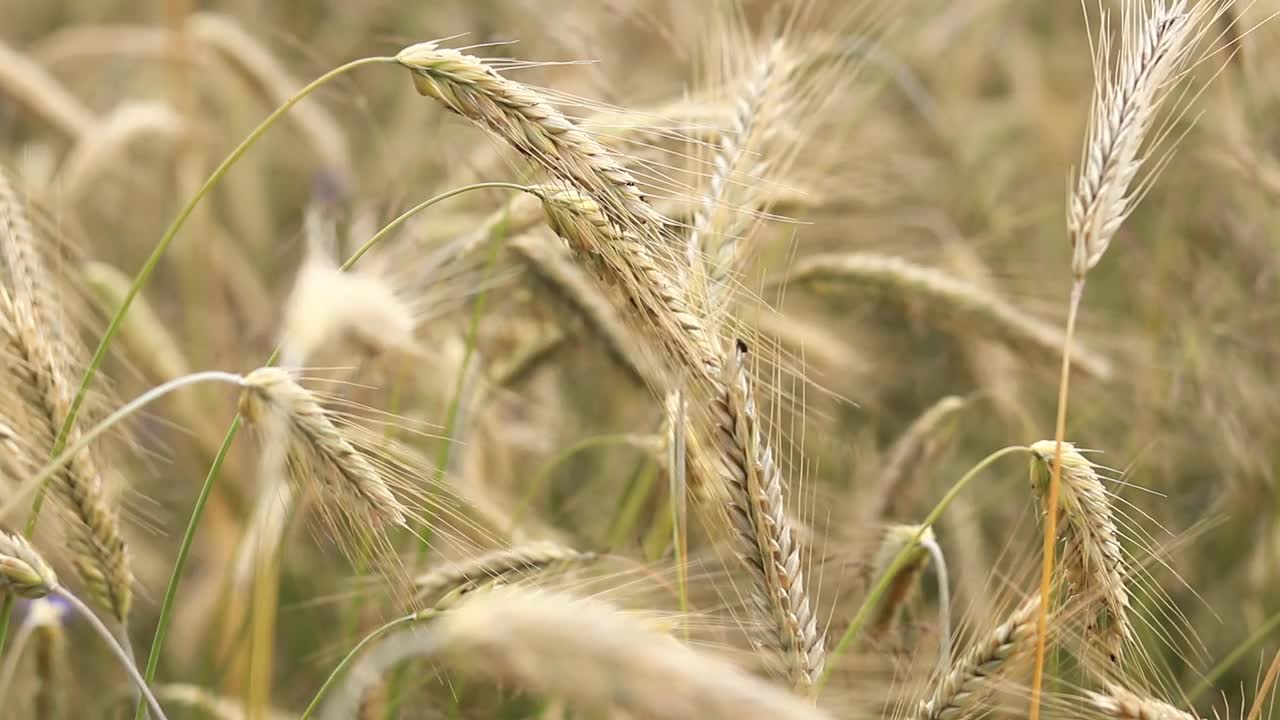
(1051, 508)
(944, 603)
(197, 512)
(353, 653)
(149, 266)
(391, 226)
(11, 660)
(900, 560)
(116, 649)
(121, 413)
(1211, 677)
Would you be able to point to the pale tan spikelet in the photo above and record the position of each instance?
(230, 41)
(585, 652)
(1122, 704)
(552, 264)
(976, 674)
(32, 86)
(106, 143)
(23, 571)
(895, 538)
(1094, 559)
(41, 338)
(495, 566)
(1156, 42)
(524, 119)
(948, 296)
(766, 541)
(317, 447)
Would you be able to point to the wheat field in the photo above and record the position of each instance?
(906, 359)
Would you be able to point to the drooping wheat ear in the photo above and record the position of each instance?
(23, 571)
(950, 297)
(42, 340)
(524, 119)
(585, 652)
(624, 259)
(1093, 560)
(897, 537)
(32, 86)
(1122, 704)
(106, 143)
(228, 40)
(757, 513)
(720, 250)
(912, 449)
(1156, 40)
(551, 263)
(317, 448)
(976, 674)
(494, 567)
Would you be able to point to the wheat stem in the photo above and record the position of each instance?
(1051, 503)
(115, 647)
(354, 652)
(900, 560)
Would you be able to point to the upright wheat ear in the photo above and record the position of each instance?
(40, 336)
(317, 448)
(1093, 560)
(1154, 47)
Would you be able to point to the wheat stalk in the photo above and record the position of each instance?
(317, 448)
(1122, 704)
(1094, 560)
(40, 336)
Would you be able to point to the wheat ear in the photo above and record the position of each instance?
(946, 294)
(1094, 562)
(107, 142)
(758, 516)
(584, 652)
(528, 123)
(33, 86)
(1122, 704)
(40, 337)
(976, 674)
(316, 446)
(494, 567)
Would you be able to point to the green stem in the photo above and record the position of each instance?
(170, 596)
(900, 560)
(1268, 627)
(153, 260)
